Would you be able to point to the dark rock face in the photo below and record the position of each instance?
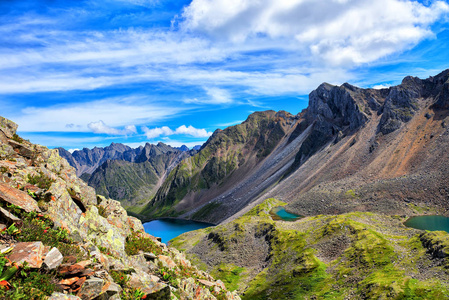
(88, 160)
(441, 81)
(401, 104)
(338, 104)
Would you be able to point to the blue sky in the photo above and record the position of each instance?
(87, 73)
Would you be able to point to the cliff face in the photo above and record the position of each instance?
(394, 163)
(60, 236)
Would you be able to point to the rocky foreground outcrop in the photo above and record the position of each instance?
(62, 241)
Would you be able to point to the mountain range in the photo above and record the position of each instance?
(352, 149)
(129, 175)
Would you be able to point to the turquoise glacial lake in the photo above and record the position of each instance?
(279, 213)
(431, 223)
(168, 229)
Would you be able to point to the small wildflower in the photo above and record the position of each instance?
(45, 231)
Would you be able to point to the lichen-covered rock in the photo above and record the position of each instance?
(61, 296)
(158, 291)
(21, 149)
(91, 288)
(167, 261)
(190, 287)
(135, 224)
(8, 127)
(9, 217)
(6, 151)
(104, 233)
(63, 210)
(17, 197)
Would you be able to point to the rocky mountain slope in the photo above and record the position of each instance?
(396, 163)
(231, 168)
(131, 176)
(356, 255)
(352, 149)
(59, 240)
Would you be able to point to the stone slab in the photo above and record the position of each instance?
(30, 252)
(18, 197)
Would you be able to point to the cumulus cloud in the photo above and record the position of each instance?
(338, 32)
(158, 131)
(101, 127)
(166, 131)
(195, 132)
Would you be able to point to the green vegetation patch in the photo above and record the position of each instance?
(37, 227)
(355, 255)
(40, 180)
(24, 282)
(230, 274)
(391, 283)
(136, 242)
(128, 292)
(263, 209)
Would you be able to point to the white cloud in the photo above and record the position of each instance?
(158, 131)
(195, 132)
(338, 32)
(380, 86)
(115, 112)
(73, 150)
(268, 47)
(101, 127)
(166, 131)
(218, 96)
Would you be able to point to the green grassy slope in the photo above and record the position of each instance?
(355, 255)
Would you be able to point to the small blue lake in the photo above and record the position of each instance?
(279, 213)
(168, 229)
(431, 223)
